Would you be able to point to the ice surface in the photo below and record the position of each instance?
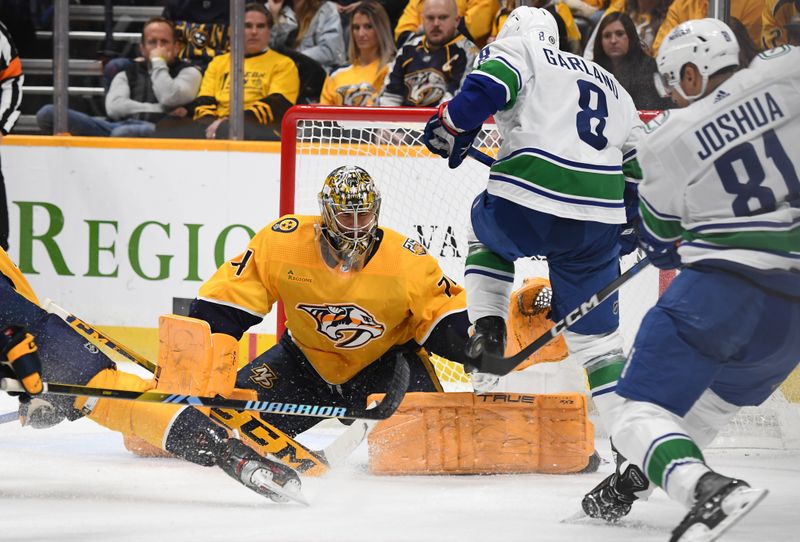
(77, 482)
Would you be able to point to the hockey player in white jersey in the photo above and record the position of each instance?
(720, 198)
(557, 188)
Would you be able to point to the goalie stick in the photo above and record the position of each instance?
(381, 411)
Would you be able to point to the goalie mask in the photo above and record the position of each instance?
(350, 204)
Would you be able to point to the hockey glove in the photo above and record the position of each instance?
(442, 137)
(629, 237)
(18, 351)
(662, 255)
(489, 337)
(39, 413)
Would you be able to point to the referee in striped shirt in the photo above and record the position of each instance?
(11, 80)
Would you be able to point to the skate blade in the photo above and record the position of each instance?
(290, 492)
(736, 506)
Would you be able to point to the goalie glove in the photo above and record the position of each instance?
(18, 353)
(442, 137)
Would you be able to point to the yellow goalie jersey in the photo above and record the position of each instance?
(342, 322)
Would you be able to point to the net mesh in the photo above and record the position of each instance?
(425, 200)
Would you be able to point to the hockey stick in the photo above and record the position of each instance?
(501, 366)
(9, 417)
(381, 411)
(98, 336)
(481, 157)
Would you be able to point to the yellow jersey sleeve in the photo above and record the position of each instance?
(432, 295)
(410, 20)
(206, 101)
(243, 281)
(12, 273)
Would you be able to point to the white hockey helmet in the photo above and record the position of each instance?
(709, 44)
(536, 23)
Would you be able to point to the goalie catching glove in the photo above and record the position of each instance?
(19, 358)
(444, 138)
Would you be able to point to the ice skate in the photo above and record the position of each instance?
(613, 497)
(719, 503)
(270, 478)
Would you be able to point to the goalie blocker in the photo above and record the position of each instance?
(461, 433)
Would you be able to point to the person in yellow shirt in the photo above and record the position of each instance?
(356, 296)
(271, 87)
(370, 51)
(36, 345)
(779, 20)
(747, 11)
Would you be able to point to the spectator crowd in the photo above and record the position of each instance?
(372, 53)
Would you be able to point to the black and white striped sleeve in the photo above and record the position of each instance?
(11, 79)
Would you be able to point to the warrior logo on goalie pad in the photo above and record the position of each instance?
(349, 324)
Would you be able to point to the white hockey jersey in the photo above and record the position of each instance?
(722, 174)
(566, 126)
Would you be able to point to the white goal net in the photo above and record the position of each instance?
(425, 200)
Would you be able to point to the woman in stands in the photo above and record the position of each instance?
(370, 51)
(619, 50)
(647, 16)
(319, 32)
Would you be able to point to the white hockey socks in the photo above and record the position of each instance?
(654, 438)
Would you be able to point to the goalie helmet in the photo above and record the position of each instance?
(536, 23)
(709, 44)
(350, 204)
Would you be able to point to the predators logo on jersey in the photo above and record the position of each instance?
(348, 324)
(263, 376)
(359, 95)
(426, 87)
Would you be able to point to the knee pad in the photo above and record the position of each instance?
(149, 421)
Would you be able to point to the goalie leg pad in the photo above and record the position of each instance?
(460, 433)
(148, 421)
